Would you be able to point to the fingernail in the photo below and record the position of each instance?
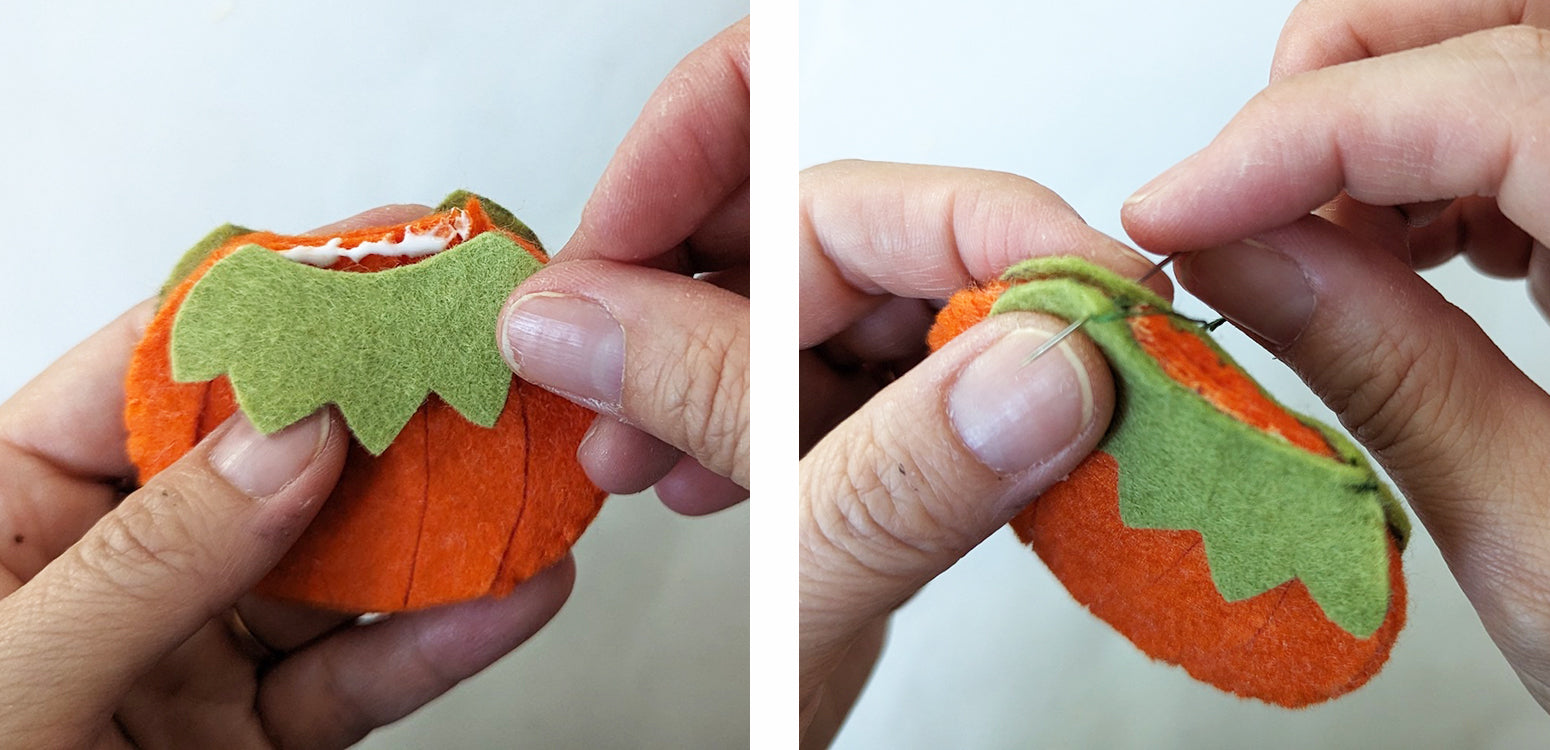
(566, 343)
(260, 464)
(1257, 287)
(1013, 414)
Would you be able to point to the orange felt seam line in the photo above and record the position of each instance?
(465, 534)
(425, 502)
(561, 501)
(508, 576)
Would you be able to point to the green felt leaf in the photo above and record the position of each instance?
(197, 254)
(499, 216)
(1268, 510)
(292, 337)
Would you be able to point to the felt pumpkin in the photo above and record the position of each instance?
(1212, 527)
(462, 481)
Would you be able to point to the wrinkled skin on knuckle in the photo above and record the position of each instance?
(1399, 396)
(154, 536)
(349, 717)
(883, 508)
(1519, 45)
(1504, 577)
(131, 547)
(1517, 60)
(706, 397)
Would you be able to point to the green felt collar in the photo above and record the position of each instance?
(293, 338)
(1268, 511)
(196, 255)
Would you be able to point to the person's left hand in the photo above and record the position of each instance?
(643, 316)
(909, 461)
(117, 624)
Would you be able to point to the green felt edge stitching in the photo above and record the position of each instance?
(500, 216)
(197, 254)
(292, 337)
(1267, 510)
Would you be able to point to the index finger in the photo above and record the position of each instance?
(72, 414)
(871, 231)
(682, 163)
(1455, 119)
(1321, 33)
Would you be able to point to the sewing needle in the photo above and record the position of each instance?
(1071, 327)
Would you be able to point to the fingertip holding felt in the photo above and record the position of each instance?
(449, 510)
(1166, 587)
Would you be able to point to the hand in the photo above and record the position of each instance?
(643, 316)
(1438, 143)
(114, 610)
(918, 459)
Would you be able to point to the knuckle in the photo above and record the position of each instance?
(1522, 54)
(145, 539)
(437, 673)
(1519, 43)
(706, 399)
(347, 710)
(1399, 396)
(874, 508)
(1517, 610)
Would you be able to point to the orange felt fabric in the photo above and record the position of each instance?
(1188, 360)
(358, 554)
(434, 519)
(561, 501)
(965, 308)
(463, 536)
(1154, 586)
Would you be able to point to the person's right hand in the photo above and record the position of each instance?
(903, 476)
(1430, 137)
(643, 316)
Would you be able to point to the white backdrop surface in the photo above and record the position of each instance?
(133, 129)
(1092, 100)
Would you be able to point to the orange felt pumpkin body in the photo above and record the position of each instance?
(449, 511)
(1154, 585)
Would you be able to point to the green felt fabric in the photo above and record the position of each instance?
(197, 254)
(292, 337)
(1268, 510)
(499, 216)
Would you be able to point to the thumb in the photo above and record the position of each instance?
(158, 567)
(1455, 423)
(934, 464)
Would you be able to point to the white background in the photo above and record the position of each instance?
(1093, 99)
(130, 132)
